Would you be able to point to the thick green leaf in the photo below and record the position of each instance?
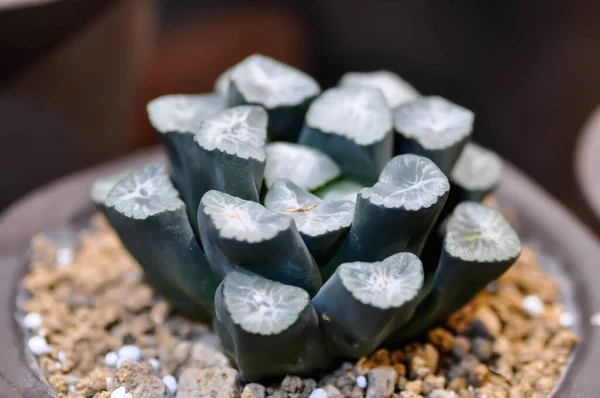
(433, 127)
(268, 328)
(353, 125)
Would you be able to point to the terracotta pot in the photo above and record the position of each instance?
(66, 202)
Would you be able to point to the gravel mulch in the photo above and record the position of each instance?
(99, 331)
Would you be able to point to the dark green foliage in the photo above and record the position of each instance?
(268, 328)
(148, 215)
(410, 193)
(306, 167)
(479, 246)
(283, 91)
(396, 90)
(176, 119)
(322, 224)
(239, 233)
(433, 127)
(385, 247)
(378, 298)
(353, 125)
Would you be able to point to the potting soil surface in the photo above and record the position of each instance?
(99, 331)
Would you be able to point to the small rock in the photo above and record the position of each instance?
(203, 356)
(544, 385)
(563, 339)
(172, 352)
(138, 298)
(159, 312)
(64, 256)
(409, 394)
(32, 321)
(120, 393)
(415, 386)
(442, 338)
(432, 383)
(361, 381)
(308, 385)
(400, 368)
(483, 348)
(130, 353)
(332, 391)
(478, 375)
(431, 356)
(533, 305)
(486, 322)
(170, 382)
(291, 384)
(253, 390)
(458, 383)
(59, 384)
(381, 357)
(38, 345)
(595, 320)
(382, 382)
(440, 393)
(318, 393)
(218, 382)
(154, 363)
(93, 383)
(141, 325)
(462, 347)
(140, 380)
(111, 358)
(566, 319)
(517, 392)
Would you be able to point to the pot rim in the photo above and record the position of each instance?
(65, 201)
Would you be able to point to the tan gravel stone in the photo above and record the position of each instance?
(442, 339)
(382, 382)
(205, 383)
(492, 346)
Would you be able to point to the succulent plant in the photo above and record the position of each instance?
(328, 247)
(395, 90)
(433, 127)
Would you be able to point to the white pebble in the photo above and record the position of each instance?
(61, 356)
(170, 382)
(361, 381)
(533, 305)
(155, 364)
(111, 358)
(72, 380)
(118, 393)
(566, 319)
(130, 353)
(318, 393)
(108, 380)
(595, 320)
(38, 345)
(32, 321)
(64, 256)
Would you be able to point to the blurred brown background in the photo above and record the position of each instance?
(79, 72)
